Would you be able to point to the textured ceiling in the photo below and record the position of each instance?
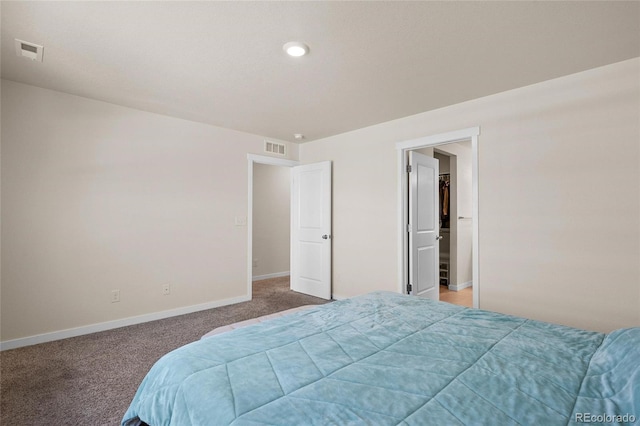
(222, 62)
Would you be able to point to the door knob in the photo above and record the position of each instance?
(439, 237)
(326, 237)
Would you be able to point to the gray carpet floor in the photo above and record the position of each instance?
(90, 380)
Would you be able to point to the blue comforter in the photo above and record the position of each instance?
(390, 359)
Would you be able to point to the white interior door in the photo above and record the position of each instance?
(311, 229)
(424, 225)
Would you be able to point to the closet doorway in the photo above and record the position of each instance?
(455, 195)
(458, 266)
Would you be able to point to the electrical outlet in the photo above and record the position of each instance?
(255, 263)
(241, 221)
(115, 296)
(166, 289)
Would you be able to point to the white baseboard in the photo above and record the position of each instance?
(338, 297)
(458, 287)
(267, 276)
(109, 325)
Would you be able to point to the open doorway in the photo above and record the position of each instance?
(456, 200)
(310, 243)
(268, 250)
(271, 221)
(458, 266)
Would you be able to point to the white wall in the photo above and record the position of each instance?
(443, 162)
(271, 224)
(559, 198)
(97, 197)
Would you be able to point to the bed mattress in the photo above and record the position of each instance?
(391, 359)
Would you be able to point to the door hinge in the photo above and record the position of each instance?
(409, 288)
(408, 168)
(409, 229)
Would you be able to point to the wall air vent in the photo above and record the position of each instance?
(275, 148)
(29, 50)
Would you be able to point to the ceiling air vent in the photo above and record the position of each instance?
(274, 148)
(29, 50)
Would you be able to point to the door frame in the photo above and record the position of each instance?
(402, 148)
(251, 160)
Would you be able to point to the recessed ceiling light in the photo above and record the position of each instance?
(298, 136)
(295, 49)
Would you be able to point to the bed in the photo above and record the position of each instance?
(391, 359)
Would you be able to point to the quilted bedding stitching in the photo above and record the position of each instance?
(385, 335)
